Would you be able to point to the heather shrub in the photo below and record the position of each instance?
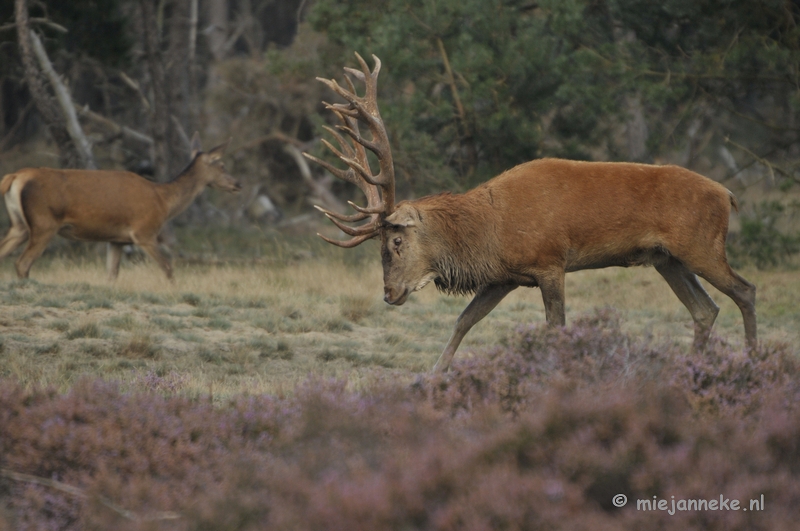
(722, 376)
(541, 433)
(594, 350)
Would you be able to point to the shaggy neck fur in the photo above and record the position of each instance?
(459, 239)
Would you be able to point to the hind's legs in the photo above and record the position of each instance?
(36, 245)
(16, 235)
(113, 255)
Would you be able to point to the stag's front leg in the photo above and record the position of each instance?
(552, 285)
(484, 302)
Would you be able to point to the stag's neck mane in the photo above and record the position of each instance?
(459, 234)
(183, 189)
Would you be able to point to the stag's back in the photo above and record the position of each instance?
(590, 213)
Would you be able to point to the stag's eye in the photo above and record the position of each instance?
(397, 242)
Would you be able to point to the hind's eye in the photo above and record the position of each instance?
(397, 242)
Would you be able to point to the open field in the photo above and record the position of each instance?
(264, 326)
(280, 392)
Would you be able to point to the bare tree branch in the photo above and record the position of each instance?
(37, 20)
(135, 86)
(68, 154)
(79, 140)
(320, 188)
(115, 128)
(159, 116)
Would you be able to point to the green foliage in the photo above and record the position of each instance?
(553, 78)
(761, 241)
(509, 70)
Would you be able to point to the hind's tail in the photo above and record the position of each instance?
(11, 188)
(5, 184)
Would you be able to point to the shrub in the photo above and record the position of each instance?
(140, 346)
(540, 434)
(760, 239)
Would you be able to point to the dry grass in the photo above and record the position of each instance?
(264, 328)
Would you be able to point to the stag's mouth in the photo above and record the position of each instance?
(397, 301)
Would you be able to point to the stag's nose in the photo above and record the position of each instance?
(395, 296)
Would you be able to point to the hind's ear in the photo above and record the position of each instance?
(195, 145)
(219, 151)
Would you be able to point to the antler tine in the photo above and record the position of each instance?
(342, 174)
(375, 210)
(369, 113)
(367, 228)
(342, 217)
(370, 78)
(350, 84)
(348, 244)
(379, 188)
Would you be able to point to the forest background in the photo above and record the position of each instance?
(270, 387)
(468, 89)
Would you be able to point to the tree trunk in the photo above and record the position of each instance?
(218, 27)
(64, 98)
(636, 130)
(56, 125)
(179, 76)
(159, 110)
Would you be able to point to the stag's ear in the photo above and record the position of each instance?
(217, 153)
(195, 145)
(402, 218)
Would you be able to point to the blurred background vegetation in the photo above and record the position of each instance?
(468, 89)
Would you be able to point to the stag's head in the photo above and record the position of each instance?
(406, 253)
(210, 166)
(405, 266)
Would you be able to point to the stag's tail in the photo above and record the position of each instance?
(734, 202)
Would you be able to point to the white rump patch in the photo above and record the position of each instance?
(14, 204)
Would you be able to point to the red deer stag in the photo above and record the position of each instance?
(117, 207)
(534, 223)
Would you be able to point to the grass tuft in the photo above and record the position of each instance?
(90, 330)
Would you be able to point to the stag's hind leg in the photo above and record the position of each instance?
(716, 270)
(484, 302)
(692, 294)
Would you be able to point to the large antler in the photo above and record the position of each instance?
(379, 188)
